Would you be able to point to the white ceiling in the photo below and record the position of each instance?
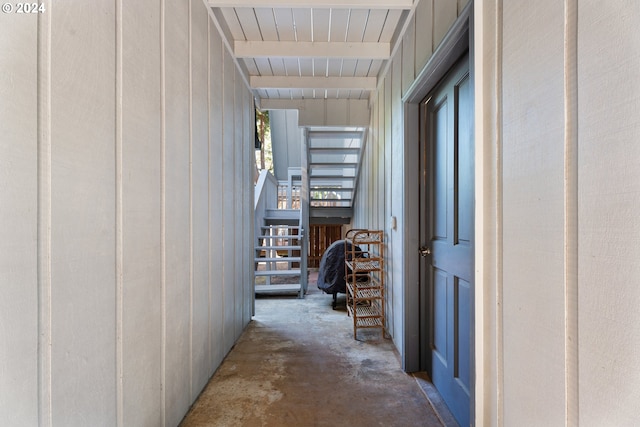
(311, 49)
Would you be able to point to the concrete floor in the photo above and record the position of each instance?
(297, 364)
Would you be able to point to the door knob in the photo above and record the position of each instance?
(424, 251)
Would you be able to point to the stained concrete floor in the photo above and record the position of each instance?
(297, 364)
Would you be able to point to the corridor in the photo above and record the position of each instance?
(297, 364)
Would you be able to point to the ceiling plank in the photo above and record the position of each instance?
(285, 24)
(321, 83)
(284, 49)
(267, 24)
(335, 4)
(302, 24)
(339, 25)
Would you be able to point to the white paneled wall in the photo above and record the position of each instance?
(557, 204)
(561, 104)
(19, 214)
(381, 190)
(608, 224)
(125, 156)
(533, 193)
(140, 189)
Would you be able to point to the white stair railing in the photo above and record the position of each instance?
(269, 223)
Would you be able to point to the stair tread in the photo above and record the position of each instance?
(284, 247)
(277, 273)
(291, 287)
(285, 259)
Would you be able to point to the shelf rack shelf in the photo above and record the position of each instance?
(364, 272)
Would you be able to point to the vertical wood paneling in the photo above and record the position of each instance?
(388, 197)
(20, 145)
(113, 158)
(608, 96)
(228, 201)
(423, 34)
(461, 5)
(248, 162)
(200, 198)
(408, 56)
(374, 151)
(321, 236)
(571, 337)
(533, 194)
(216, 196)
(238, 135)
(44, 222)
(381, 193)
(163, 216)
(139, 184)
(83, 212)
(444, 15)
(381, 161)
(177, 225)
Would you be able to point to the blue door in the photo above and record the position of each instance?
(447, 220)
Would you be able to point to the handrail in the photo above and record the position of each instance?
(265, 198)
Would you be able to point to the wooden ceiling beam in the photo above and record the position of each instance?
(293, 49)
(320, 4)
(293, 82)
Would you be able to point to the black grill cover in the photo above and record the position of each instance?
(331, 271)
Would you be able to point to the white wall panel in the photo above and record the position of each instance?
(228, 201)
(200, 345)
(177, 212)
(408, 56)
(396, 256)
(379, 164)
(388, 203)
(338, 112)
(238, 161)
(83, 280)
(112, 163)
(19, 146)
(533, 162)
(423, 33)
(444, 15)
(139, 187)
(216, 194)
(609, 197)
(248, 162)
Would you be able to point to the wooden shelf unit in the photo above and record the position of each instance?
(364, 273)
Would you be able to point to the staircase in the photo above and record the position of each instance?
(334, 157)
(278, 254)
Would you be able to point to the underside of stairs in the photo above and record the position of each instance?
(278, 254)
